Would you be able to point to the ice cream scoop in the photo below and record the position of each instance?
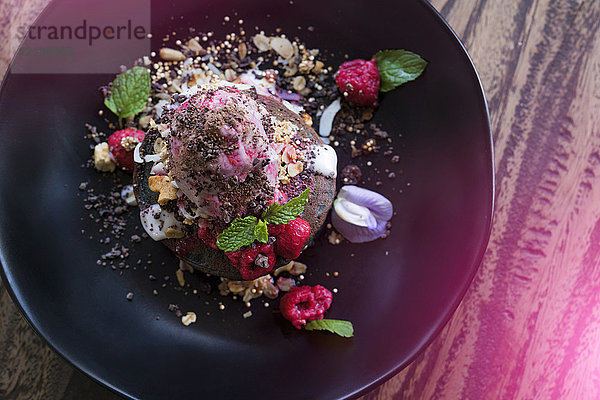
(220, 154)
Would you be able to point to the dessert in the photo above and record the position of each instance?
(223, 153)
(229, 173)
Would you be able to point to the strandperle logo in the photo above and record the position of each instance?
(83, 37)
(83, 31)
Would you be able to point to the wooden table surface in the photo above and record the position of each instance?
(529, 326)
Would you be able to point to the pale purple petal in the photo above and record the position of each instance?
(381, 207)
(357, 234)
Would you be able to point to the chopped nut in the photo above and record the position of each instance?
(307, 119)
(175, 86)
(168, 54)
(299, 83)
(189, 318)
(335, 238)
(230, 75)
(174, 233)
(247, 314)
(295, 169)
(271, 291)
(250, 293)
(180, 277)
(102, 159)
(129, 143)
(282, 46)
(162, 185)
(194, 46)
(293, 267)
(290, 70)
(144, 121)
(242, 50)
(289, 155)
(318, 67)
(159, 145)
(261, 42)
(306, 66)
(367, 114)
(250, 289)
(283, 268)
(297, 268)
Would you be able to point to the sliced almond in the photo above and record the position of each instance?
(180, 277)
(242, 50)
(168, 54)
(295, 169)
(230, 75)
(282, 46)
(194, 46)
(299, 83)
(261, 42)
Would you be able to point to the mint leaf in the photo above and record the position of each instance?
(240, 233)
(129, 92)
(270, 211)
(337, 326)
(261, 233)
(282, 214)
(397, 67)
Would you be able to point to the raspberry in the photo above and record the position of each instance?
(304, 303)
(275, 230)
(208, 237)
(122, 150)
(254, 260)
(290, 237)
(358, 80)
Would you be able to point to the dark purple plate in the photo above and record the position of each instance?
(398, 292)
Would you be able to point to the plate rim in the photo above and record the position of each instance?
(14, 295)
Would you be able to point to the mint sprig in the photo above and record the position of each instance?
(337, 326)
(282, 214)
(244, 231)
(261, 232)
(239, 234)
(397, 67)
(129, 92)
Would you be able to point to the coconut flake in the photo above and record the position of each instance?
(326, 122)
(152, 158)
(136, 154)
(159, 169)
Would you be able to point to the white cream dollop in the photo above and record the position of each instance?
(157, 228)
(354, 213)
(325, 161)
